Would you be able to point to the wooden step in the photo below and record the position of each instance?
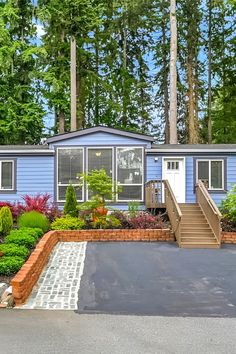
(195, 229)
(199, 245)
(198, 239)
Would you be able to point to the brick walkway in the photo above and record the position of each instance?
(59, 283)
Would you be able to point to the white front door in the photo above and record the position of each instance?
(174, 171)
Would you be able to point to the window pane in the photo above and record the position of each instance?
(216, 175)
(70, 165)
(7, 180)
(130, 193)
(129, 165)
(62, 192)
(203, 172)
(100, 159)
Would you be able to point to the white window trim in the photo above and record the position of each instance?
(13, 176)
(112, 164)
(209, 171)
(136, 184)
(73, 184)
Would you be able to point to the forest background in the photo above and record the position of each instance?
(123, 75)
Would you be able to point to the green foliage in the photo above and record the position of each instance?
(10, 265)
(133, 208)
(228, 205)
(101, 185)
(67, 223)
(34, 232)
(21, 239)
(70, 207)
(33, 219)
(6, 220)
(106, 222)
(11, 249)
(21, 109)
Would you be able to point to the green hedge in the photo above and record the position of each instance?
(10, 265)
(10, 249)
(21, 239)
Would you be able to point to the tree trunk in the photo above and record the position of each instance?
(61, 121)
(96, 113)
(165, 79)
(209, 74)
(73, 83)
(124, 67)
(173, 74)
(192, 134)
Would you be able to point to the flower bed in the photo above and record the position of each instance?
(28, 275)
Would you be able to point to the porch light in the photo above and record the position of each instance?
(98, 154)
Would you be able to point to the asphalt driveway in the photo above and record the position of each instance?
(158, 279)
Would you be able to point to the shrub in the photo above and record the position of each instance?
(34, 219)
(106, 222)
(10, 265)
(228, 205)
(123, 218)
(35, 232)
(70, 207)
(21, 239)
(67, 223)
(11, 249)
(6, 220)
(145, 220)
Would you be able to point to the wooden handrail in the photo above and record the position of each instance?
(209, 209)
(173, 211)
(153, 194)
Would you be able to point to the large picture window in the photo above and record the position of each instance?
(70, 165)
(6, 175)
(211, 173)
(100, 158)
(129, 162)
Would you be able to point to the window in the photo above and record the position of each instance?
(70, 165)
(211, 173)
(7, 173)
(172, 165)
(100, 158)
(130, 173)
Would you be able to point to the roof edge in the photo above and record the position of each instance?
(81, 132)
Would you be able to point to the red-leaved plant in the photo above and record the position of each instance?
(38, 202)
(145, 220)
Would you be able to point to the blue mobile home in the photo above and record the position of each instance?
(131, 159)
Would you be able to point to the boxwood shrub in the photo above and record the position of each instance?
(10, 249)
(67, 223)
(10, 264)
(21, 239)
(32, 231)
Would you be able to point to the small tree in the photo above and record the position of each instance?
(101, 185)
(70, 207)
(6, 220)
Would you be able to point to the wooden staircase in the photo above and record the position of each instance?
(195, 225)
(195, 229)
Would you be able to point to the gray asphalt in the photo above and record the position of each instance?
(158, 279)
(64, 332)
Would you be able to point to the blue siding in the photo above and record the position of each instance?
(100, 138)
(153, 168)
(154, 171)
(35, 174)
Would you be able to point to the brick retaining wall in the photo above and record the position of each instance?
(228, 237)
(27, 277)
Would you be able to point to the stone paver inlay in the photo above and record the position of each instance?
(59, 283)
